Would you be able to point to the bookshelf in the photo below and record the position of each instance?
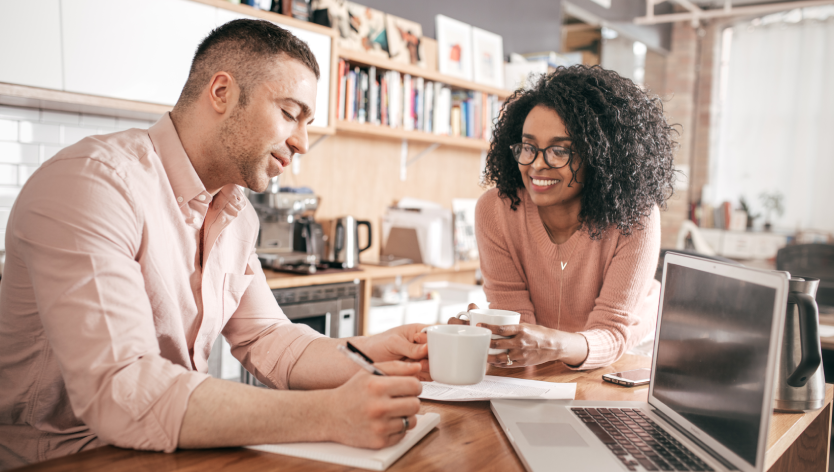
(364, 60)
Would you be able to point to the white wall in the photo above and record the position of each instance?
(29, 136)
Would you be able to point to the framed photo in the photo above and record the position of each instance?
(405, 41)
(454, 47)
(360, 28)
(487, 58)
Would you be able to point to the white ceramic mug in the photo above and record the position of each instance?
(492, 317)
(458, 353)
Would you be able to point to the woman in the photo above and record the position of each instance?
(570, 235)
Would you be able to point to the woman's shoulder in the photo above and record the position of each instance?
(493, 202)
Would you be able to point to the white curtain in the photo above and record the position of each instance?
(775, 126)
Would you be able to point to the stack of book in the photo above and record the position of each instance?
(389, 98)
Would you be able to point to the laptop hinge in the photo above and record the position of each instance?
(697, 441)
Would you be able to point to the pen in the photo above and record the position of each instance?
(353, 353)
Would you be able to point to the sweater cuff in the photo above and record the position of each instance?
(601, 350)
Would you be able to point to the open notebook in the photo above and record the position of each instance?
(371, 459)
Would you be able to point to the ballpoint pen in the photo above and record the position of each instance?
(353, 353)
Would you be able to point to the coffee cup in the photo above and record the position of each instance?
(458, 353)
(491, 317)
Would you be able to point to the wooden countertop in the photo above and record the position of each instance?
(368, 272)
(468, 437)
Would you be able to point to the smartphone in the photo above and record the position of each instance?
(629, 378)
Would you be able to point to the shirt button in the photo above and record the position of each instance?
(179, 199)
(201, 198)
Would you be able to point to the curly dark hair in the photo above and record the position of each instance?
(618, 133)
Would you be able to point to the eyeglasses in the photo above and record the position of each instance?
(554, 156)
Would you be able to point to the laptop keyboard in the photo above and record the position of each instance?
(636, 439)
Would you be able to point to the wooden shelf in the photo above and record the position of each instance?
(363, 58)
(268, 15)
(366, 129)
(368, 272)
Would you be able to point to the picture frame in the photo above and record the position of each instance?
(360, 28)
(405, 41)
(487, 58)
(454, 47)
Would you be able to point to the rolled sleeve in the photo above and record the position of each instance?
(91, 299)
(262, 338)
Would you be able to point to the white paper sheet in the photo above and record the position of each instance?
(499, 387)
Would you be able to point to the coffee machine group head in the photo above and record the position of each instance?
(286, 224)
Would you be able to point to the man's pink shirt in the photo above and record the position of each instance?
(106, 317)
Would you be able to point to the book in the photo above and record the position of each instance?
(373, 93)
(354, 456)
(342, 86)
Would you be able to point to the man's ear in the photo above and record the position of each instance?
(223, 92)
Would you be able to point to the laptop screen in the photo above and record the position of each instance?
(712, 354)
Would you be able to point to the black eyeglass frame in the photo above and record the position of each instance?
(542, 151)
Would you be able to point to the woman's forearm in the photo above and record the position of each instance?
(572, 348)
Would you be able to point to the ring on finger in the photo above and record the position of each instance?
(405, 425)
(509, 361)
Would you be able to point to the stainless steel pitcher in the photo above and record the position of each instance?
(800, 382)
(344, 241)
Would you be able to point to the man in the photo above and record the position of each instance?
(128, 254)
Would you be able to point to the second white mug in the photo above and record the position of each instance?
(492, 317)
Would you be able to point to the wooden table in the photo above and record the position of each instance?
(468, 437)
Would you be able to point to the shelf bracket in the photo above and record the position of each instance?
(405, 161)
(296, 161)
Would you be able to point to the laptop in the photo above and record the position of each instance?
(711, 392)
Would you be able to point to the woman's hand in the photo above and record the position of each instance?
(530, 344)
(456, 320)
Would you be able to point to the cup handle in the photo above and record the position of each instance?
(425, 330)
(463, 313)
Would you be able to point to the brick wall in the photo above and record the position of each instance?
(29, 136)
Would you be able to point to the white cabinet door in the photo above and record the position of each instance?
(135, 50)
(30, 43)
(319, 44)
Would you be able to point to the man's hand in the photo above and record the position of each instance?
(368, 410)
(404, 343)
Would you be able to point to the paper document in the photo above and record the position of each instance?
(499, 387)
(354, 456)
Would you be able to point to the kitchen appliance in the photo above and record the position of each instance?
(800, 382)
(288, 232)
(344, 241)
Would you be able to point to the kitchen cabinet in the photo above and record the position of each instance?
(132, 50)
(30, 43)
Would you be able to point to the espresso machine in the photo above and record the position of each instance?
(289, 237)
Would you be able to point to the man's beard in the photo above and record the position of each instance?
(241, 154)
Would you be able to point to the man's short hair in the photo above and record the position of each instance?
(242, 48)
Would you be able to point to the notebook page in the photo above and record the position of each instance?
(353, 456)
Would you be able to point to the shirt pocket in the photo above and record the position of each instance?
(234, 286)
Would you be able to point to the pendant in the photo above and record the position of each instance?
(564, 264)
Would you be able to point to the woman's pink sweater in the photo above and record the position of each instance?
(603, 289)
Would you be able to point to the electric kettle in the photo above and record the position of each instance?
(344, 241)
(800, 382)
